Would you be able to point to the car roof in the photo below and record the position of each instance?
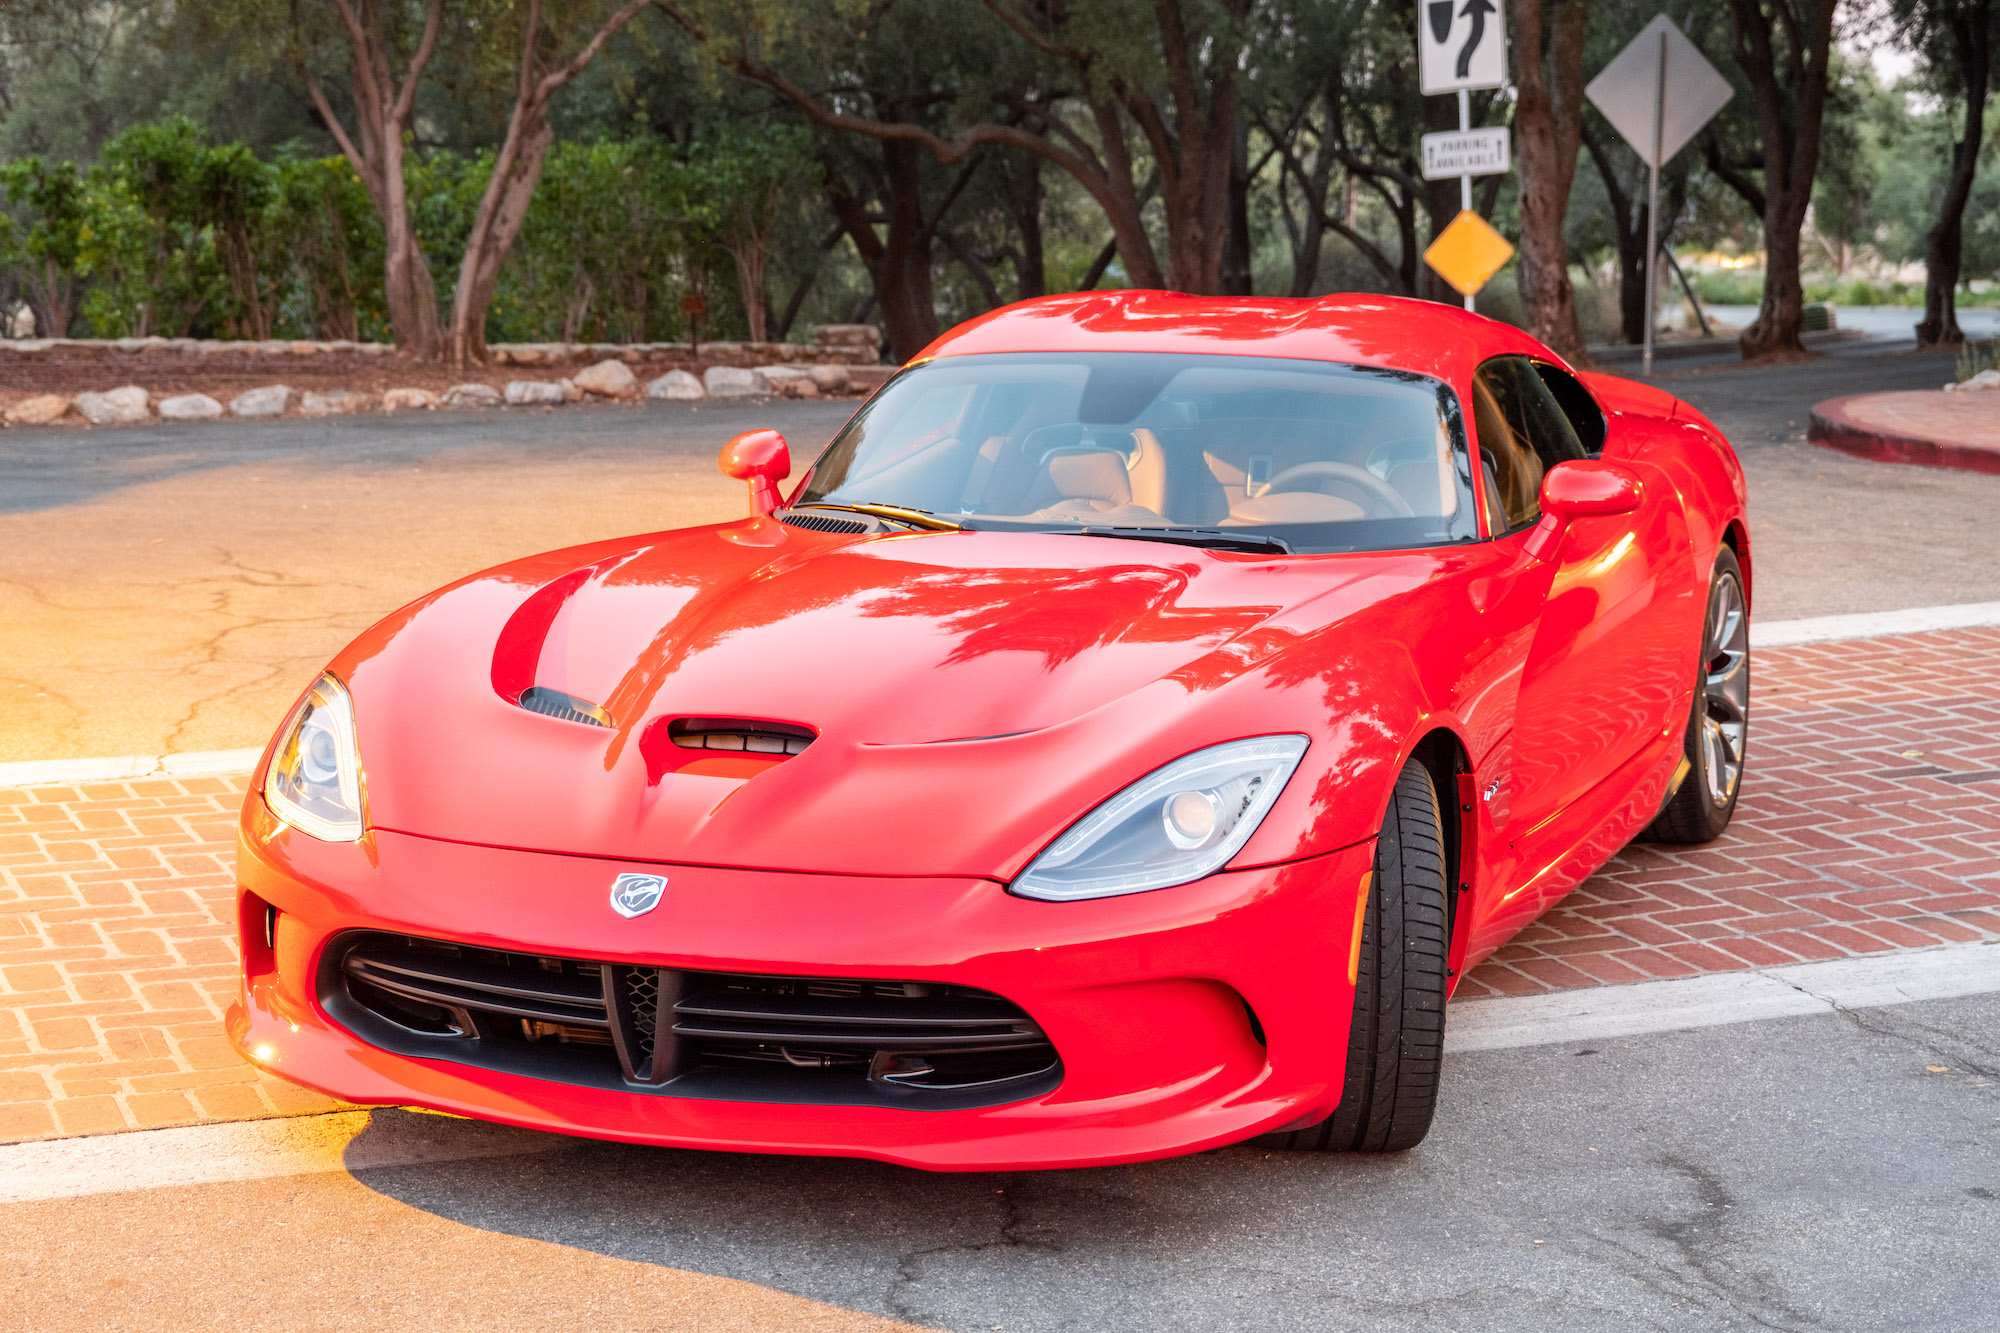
(1426, 337)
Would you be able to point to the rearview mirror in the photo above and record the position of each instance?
(1590, 489)
(761, 458)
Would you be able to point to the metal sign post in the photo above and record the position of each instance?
(1458, 49)
(1658, 92)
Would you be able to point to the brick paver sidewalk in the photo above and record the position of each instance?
(1870, 821)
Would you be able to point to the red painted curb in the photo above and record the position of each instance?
(1831, 428)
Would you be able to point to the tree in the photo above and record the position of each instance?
(1783, 48)
(1548, 125)
(551, 54)
(42, 237)
(382, 36)
(1955, 38)
(1167, 71)
(752, 183)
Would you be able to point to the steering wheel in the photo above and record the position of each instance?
(1359, 478)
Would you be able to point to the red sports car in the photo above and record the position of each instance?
(1115, 745)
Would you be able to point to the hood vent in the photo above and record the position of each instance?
(824, 523)
(738, 734)
(554, 703)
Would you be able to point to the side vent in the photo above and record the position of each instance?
(730, 733)
(554, 703)
(824, 522)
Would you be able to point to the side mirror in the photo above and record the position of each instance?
(760, 458)
(1590, 489)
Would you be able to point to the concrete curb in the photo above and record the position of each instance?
(1831, 427)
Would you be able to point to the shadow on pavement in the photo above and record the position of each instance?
(1797, 1174)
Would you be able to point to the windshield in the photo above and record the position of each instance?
(1321, 456)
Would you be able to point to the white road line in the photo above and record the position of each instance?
(1873, 624)
(251, 1150)
(358, 1140)
(1718, 998)
(124, 767)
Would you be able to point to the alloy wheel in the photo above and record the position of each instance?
(1725, 718)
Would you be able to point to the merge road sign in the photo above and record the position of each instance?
(1468, 252)
(1485, 152)
(1460, 44)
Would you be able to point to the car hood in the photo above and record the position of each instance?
(968, 694)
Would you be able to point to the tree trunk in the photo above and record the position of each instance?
(502, 210)
(1971, 39)
(1031, 272)
(1548, 124)
(899, 259)
(1789, 89)
(1235, 270)
(748, 252)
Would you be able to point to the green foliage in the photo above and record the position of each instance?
(606, 249)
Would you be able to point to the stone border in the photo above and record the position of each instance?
(1830, 427)
(832, 344)
(609, 380)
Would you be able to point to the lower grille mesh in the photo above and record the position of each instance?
(731, 1036)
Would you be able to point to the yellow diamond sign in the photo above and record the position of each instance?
(1468, 252)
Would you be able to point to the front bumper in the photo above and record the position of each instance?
(1144, 997)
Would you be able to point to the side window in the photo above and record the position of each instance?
(1522, 434)
(1585, 416)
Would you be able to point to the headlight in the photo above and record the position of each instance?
(314, 783)
(1180, 823)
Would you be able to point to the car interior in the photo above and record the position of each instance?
(1131, 439)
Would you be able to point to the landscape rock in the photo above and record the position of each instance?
(115, 407)
(832, 379)
(677, 386)
(1985, 379)
(332, 403)
(273, 400)
(532, 393)
(571, 394)
(471, 395)
(867, 379)
(190, 407)
(789, 381)
(608, 379)
(402, 400)
(848, 335)
(37, 411)
(734, 382)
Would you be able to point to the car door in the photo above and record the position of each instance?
(1603, 673)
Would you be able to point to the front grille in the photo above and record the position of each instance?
(711, 1035)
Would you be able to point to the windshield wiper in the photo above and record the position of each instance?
(915, 518)
(1213, 538)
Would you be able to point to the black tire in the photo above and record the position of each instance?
(1719, 720)
(1395, 1046)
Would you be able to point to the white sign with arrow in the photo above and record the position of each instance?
(1658, 92)
(1461, 44)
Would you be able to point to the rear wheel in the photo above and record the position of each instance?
(1396, 1043)
(1719, 722)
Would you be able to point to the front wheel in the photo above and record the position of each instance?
(1719, 722)
(1395, 1045)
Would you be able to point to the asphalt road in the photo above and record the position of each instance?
(172, 588)
(1836, 1173)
